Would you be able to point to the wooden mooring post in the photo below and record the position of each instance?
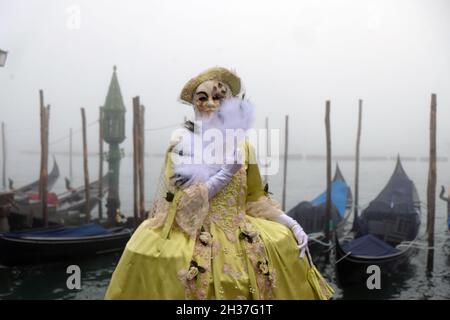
(358, 142)
(328, 198)
(85, 168)
(431, 187)
(267, 152)
(138, 160)
(3, 157)
(286, 143)
(135, 161)
(43, 176)
(70, 155)
(100, 164)
(141, 162)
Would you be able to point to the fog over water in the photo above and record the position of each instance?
(291, 56)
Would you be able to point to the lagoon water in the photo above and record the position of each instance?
(305, 180)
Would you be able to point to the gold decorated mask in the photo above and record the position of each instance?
(209, 95)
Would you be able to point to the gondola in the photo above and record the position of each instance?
(6, 202)
(60, 243)
(312, 214)
(73, 202)
(70, 208)
(34, 186)
(386, 232)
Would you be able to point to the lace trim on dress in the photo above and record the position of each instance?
(264, 207)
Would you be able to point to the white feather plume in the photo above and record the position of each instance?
(234, 114)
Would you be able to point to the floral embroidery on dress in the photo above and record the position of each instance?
(263, 267)
(192, 273)
(227, 212)
(256, 253)
(192, 209)
(189, 285)
(228, 206)
(197, 278)
(248, 232)
(205, 238)
(228, 269)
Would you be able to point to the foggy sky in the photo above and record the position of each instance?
(291, 56)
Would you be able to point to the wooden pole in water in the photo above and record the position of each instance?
(431, 188)
(328, 199)
(267, 151)
(47, 124)
(136, 210)
(43, 177)
(47, 119)
(141, 163)
(3, 157)
(358, 141)
(286, 141)
(100, 165)
(85, 167)
(70, 155)
(41, 117)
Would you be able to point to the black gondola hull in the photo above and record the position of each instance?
(34, 186)
(385, 233)
(354, 270)
(32, 250)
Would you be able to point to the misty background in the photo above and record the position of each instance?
(290, 55)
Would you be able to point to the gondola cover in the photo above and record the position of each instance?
(86, 230)
(369, 245)
(393, 215)
(312, 215)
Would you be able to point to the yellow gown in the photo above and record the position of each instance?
(224, 248)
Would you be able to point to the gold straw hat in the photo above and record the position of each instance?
(216, 73)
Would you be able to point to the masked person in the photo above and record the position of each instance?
(213, 231)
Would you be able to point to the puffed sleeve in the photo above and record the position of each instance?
(259, 203)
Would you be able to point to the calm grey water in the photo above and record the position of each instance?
(305, 180)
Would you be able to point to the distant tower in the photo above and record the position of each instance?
(113, 134)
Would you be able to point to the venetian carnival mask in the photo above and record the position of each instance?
(209, 95)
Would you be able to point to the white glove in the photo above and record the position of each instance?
(218, 181)
(297, 230)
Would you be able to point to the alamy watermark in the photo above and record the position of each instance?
(217, 147)
(73, 281)
(374, 280)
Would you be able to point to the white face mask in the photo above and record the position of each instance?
(208, 97)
